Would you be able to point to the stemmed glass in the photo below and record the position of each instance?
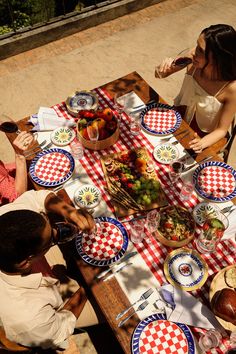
(176, 168)
(7, 125)
(92, 130)
(120, 101)
(181, 60)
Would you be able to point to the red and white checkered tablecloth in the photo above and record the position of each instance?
(153, 253)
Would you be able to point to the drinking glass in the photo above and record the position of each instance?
(212, 231)
(7, 125)
(176, 168)
(209, 340)
(134, 124)
(152, 221)
(65, 232)
(186, 191)
(92, 130)
(137, 231)
(77, 150)
(182, 59)
(120, 101)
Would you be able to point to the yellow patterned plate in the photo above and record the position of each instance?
(165, 153)
(62, 136)
(186, 269)
(87, 196)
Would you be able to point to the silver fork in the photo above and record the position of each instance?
(144, 296)
(35, 152)
(36, 147)
(141, 307)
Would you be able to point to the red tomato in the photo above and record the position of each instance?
(205, 227)
(174, 238)
(168, 225)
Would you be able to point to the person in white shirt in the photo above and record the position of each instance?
(31, 308)
(208, 91)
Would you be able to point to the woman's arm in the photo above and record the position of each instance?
(226, 116)
(20, 144)
(76, 302)
(21, 174)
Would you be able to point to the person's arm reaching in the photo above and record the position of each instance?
(81, 217)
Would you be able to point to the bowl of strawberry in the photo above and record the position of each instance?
(97, 129)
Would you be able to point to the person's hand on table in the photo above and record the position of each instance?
(23, 141)
(196, 144)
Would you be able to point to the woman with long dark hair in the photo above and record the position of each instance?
(209, 87)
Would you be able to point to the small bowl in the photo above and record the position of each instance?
(99, 144)
(87, 196)
(178, 243)
(81, 100)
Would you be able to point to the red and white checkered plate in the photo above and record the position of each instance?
(160, 119)
(106, 246)
(215, 181)
(52, 167)
(156, 335)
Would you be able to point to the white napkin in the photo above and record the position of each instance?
(189, 310)
(133, 103)
(230, 232)
(47, 119)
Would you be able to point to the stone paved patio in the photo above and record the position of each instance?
(48, 74)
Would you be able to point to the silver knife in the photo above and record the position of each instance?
(197, 163)
(117, 271)
(124, 259)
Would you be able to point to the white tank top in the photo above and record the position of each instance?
(198, 101)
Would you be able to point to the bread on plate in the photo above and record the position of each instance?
(223, 304)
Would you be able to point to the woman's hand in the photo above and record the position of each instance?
(196, 144)
(23, 141)
(164, 69)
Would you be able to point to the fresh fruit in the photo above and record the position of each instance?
(107, 112)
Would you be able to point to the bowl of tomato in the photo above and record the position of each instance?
(176, 227)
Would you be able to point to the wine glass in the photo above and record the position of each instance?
(176, 168)
(120, 101)
(180, 60)
(183, 58)
(65, 232)
(7, 125)
(92, 130)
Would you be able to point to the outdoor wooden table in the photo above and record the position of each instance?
(109, 296)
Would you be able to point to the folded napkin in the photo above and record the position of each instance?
(47, 119)
(184, 308)
(133, 103)
(230, 232)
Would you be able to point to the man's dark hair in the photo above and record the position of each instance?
(221, 43)
(20, 237)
